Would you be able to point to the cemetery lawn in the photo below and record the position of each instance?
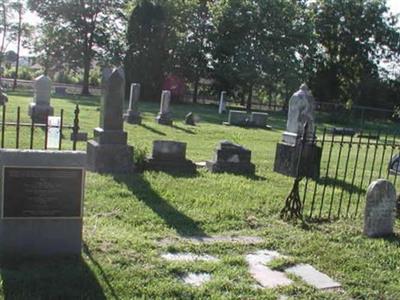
(129, 220)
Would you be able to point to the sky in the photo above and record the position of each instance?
(31, 18)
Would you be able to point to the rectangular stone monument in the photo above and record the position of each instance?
(238, 118)
(259, 119)
(132, 116)
(169, 156)
(231, 158)
(41, 202)
(380, 209)
(222, 103)
(164, 116)
(109, 151)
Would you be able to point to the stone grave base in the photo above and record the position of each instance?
(164, 119)
(286, 159)
(41, 112)
(109, 158)
(235, 168)
(133, 117)
(170, 166)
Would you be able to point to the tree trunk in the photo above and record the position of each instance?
(86, 74)
(18, 46)
(249, 99)
(196, 89)
(243, 99)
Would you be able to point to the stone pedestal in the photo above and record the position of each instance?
(40, 112)
(133, 117)
(287, 155)
(169, 156)
(231, 158)
(164, 119)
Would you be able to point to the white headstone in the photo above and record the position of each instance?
(301, 110)
(53, 132)
(222, 103)
(380, 209)
(134, 97)
(42, 87)
(165, 102)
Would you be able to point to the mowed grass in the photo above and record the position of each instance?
(128, 216)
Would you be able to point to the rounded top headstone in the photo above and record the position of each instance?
(42, 86)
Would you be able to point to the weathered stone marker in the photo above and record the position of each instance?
(231, 158)
(164, 116)
(132, 116)
(169, 156)
(41, 202)
(380, 209)
(222, 103)
(40, 108)
(259, 119)
(109, 151)
(3, 96)
(238, 118)
(301, 110)
(190, 119)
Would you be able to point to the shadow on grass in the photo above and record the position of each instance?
(66, 278)
(153, 130)
(183, 129)
(142, 189)
(341, 184)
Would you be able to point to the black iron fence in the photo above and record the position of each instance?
(23, 135)
(349, 164)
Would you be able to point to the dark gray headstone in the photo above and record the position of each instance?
(380, 209)
(109, 152)
(190, 119)
(231, 158)
(40, 108)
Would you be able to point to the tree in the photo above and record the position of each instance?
(353, 37)
(82, 29)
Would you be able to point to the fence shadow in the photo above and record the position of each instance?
(66, 278)
(175, 219)
(339, 183)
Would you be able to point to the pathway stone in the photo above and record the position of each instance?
(185, 257)
(242, 240)
(196, 279)
(266, 277)
(313, 277)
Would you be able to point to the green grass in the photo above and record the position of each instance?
(126, 216)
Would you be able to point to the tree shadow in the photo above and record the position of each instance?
(183, 129)
(175, 219)
(152, 129)
(63, 278)
(346, 186)
(393, 238)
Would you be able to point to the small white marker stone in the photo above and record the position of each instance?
(313, 277)
(196, 279)
(188, 257)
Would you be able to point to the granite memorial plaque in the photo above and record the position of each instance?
(42, 192)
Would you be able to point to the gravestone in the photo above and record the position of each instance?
(238, 118)
(301, 110)
(164, 116)
(109, 152)
(231, 158)
(79, 136)
(169, 156)
(259, 119)
(60, 90)
(42, 202)
(222, 103)
(40, 108)
(190, 119)
(380, 209)
(394, 164)
(132, 116)
(3, 96)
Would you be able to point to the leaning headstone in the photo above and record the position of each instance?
(301, 111)
(231, 158)
(164, 116)
(380, 209)
(132, 116)
(3, 96)
(42, 203)
(109, 152)
(40, 108)
(169, 156)
(222, 103)
(190, 119)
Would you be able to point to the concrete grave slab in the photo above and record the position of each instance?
(186, 257)
(196, 279)
(313, 277)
